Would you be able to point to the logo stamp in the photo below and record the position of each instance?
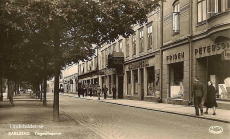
(216, 129)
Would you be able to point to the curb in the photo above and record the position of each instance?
(176, 113)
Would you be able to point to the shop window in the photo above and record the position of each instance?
(201, 11)
(176, 17)
(141, 38)
(135, 85)
(176, 75)
(134, 44)
(150, 37)
(127, 47)
(151, 81)
(218, 74)
(129, 85)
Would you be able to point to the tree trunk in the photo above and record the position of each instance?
(1, 92)
(45, 81)
(57, 74)
(40, 92)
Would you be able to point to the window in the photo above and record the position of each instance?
(106, 57)
(102, 59)
(201, 10)
(134, 44)
(228, 4)
(120, 46)
(114, 47)
(176, 17)
(213, 6)
(141, 37)
(61, 76)
(127, 47)
(150, 37)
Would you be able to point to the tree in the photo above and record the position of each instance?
(72, 26)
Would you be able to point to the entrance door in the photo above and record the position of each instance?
(120, 86)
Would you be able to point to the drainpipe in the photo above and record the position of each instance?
(160, 100)
(190, 48)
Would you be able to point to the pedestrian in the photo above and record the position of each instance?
(210, 101)
(86, 91)
(79, 91)
(98, 92)
(83, 91)
(91, 91)
(105, 89)
(114, 91)
(198, 94)
(11, 93)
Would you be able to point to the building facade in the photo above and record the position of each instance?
(181, 40)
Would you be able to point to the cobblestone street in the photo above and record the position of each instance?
(119, 122)
(92, 119)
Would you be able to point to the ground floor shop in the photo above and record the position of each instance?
(89, 83)
(112, 77)
(142, 79)
(211, 63)
(176, 75)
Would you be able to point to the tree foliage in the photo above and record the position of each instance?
(58, 32)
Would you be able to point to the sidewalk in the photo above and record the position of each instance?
(221, 114)
(28, 119)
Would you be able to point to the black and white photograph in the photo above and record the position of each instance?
(114, 69)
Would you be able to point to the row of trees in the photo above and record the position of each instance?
(39, 37)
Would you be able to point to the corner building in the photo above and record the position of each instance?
(196, 38)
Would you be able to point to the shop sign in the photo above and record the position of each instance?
(226, 54)
(212, 48)
(139, 64)
(175, 56)
(115, 60)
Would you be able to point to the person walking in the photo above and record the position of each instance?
(98, 92)
(83, 91)
(11, 92)
(91, 91)
(210, 101)
(79, 91)
(114, 91)
(105, 89)
(198, 94)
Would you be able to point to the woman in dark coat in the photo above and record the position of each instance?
(210, 101)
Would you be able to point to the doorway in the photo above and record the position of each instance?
(120, 87)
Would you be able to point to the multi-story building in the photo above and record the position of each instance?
(68, 79)
(195, 36)
(88, 73)
(181, 40)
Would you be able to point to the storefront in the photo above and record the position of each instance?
(142, 79)
(212, 63)
(109, 79)
(175, 83)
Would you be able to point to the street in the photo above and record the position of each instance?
(119, 122)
